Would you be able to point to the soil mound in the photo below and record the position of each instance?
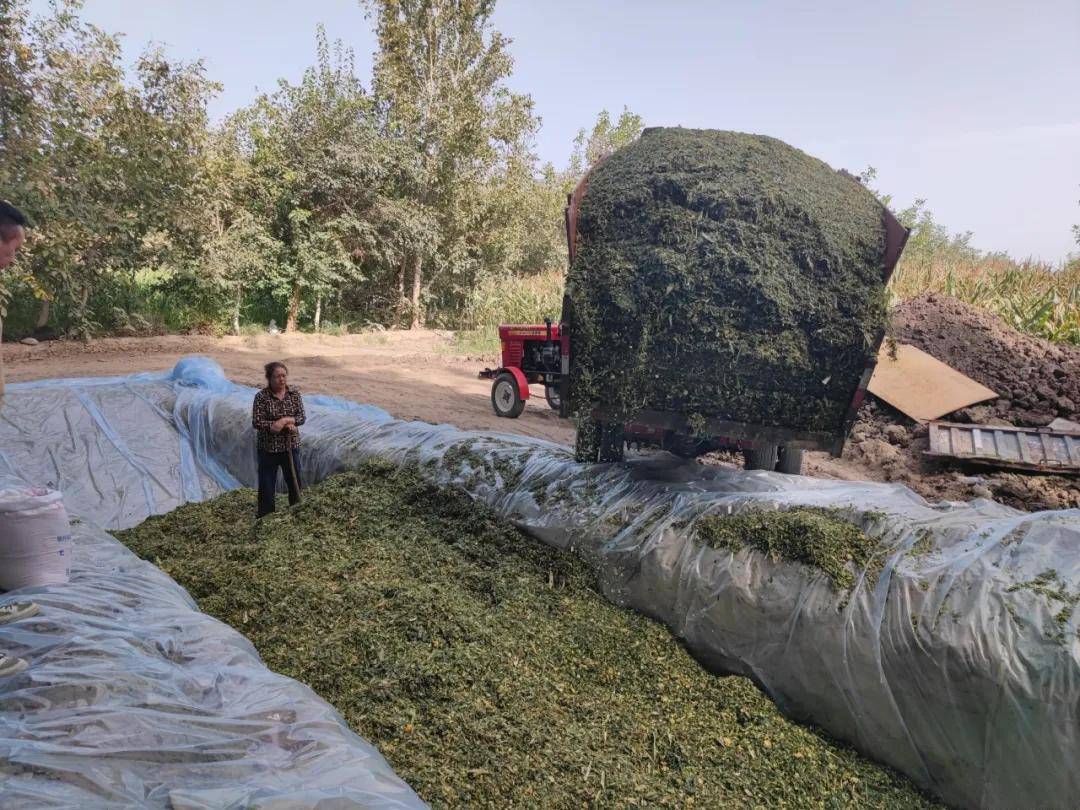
(1036, 380)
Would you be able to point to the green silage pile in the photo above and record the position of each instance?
(815, 537)
(486, 666)
(724, 275)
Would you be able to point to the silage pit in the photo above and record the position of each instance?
(486, 666)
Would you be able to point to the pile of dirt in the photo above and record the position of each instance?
(485, 665)
(724, 275)
(1037, 381)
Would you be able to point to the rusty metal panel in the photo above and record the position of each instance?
(1039, 449)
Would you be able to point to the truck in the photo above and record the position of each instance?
(540, 354)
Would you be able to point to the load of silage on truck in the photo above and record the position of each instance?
(485, 665)
(724, 275)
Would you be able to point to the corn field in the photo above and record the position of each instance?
(1035, 298)
(508, 300)
(1031, 297)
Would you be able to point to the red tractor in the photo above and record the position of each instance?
(531, 355)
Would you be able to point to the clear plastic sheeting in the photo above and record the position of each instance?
(134, 698)
(957, 664)
(111, 446)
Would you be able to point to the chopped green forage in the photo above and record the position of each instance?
(485, 665)
(724, 275)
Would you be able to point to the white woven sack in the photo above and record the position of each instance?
(35, 538)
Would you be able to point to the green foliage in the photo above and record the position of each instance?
(321, 183)
(440, 75)
(486, 666)
(106, 162)
(820, 538)
(418, 199)
(602, 140)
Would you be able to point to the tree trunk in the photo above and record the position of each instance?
(236, 309)
(399, 306)
(417, 319)
(318, 312)
(43, 314)
(294, 308)
(84, 314)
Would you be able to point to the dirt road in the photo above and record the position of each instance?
(412, 375)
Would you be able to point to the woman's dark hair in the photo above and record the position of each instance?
(10, 215)
(270, 368)
(10, 219)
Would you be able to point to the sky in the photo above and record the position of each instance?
(973, 105)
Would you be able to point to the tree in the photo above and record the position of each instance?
(320, 173)
(104, 166)
(440, 75)
(602, 140)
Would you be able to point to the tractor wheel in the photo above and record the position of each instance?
(551, 394)
(790, 461)
(505, 398)
(762, 457)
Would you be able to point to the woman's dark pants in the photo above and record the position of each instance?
(268, 470)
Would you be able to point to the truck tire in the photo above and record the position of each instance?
(551, 394)
(505, 398)
(762, 457)
(790, 461)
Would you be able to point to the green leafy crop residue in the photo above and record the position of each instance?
(724, 275)
(486, 666)
(819, 538)
(1051, 586)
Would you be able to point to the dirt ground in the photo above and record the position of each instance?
(418, 375)
(1036, 382)
(412, 375)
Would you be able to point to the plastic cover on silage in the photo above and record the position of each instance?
(135, 699)
(950, 653)
(724, 275)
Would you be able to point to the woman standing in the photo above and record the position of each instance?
(276, 413)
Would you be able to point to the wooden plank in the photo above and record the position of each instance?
(922, 387)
